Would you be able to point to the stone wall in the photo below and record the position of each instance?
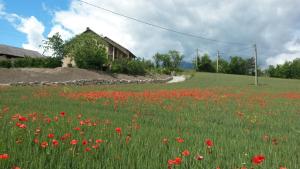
(83, 82)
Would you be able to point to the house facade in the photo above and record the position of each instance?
(114, 51)
(12, 53)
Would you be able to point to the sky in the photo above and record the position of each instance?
(235, 25)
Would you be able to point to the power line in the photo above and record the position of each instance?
(161, 27)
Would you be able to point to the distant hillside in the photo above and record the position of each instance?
(186, 65)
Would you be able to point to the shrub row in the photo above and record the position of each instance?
(132, 67)
(47, 62)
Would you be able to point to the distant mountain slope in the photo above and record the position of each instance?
(186, 65)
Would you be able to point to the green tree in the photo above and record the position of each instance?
(237, 65)
(223, 66)
(295, 69)
(88, 51)
(176, 59)
(55, 44)
(205, 64)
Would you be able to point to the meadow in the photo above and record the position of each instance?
(211, 121)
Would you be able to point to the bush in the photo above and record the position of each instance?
(88, 51)
(52, 62)
(132, 67)
(5, 64)
(47, 62)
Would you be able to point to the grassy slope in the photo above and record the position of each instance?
(192, 120)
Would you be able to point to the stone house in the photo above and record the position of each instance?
(114, 51)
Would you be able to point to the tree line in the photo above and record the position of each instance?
(241, 66)
(290, 70)
(236, 65)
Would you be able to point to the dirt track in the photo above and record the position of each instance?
(60, 75)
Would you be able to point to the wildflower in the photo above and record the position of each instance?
(282, 167)
(62, 114)
(55, 118)
(4, 156)
(199, 157)
(179, 140)
(77, 128)
(36, 141)
(185, 153)
(16, 167)
(99, 141)
(44, 144)
(165, 141)
(74, 142)
(257, 159)
(20, 125)
(95, 146)
(118, 130)
(209, 143)
(84, 142)
(87, 149)
(51, 135)
(177, 161)
(54, 142)
(21, 118)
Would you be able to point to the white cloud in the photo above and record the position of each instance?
(292, 52)
(34, 30)
(30, 26)
(268, 23)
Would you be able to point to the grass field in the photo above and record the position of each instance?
(210, 121)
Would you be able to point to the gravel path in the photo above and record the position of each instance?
(177, 79)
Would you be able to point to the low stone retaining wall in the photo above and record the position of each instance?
(83, 82)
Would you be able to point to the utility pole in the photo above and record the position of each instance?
(255, 62)
(218, 56)
(197, 58)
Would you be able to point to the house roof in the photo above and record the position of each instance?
(18, 52)
(113, 43)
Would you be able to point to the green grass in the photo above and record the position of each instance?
(241, 119)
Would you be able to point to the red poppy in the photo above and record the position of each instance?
(20, 125)
(87, 149)
(257, 159)
(36, 141)
(171, 162)
(77, 128)
(21, 118)
(95, 146)
(51, 135)
(177, 161)
(282, 167)
(179, 140)
(118, 130)
(73, 142)
(81, 123)
(99, 141)
(4, 156)
(55, 118)
(54, 142)
(84, 142)
(209, 143)
(185, 153)
(62, 114)
(15, 167)
(44, 144)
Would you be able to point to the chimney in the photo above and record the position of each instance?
(88, 28)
